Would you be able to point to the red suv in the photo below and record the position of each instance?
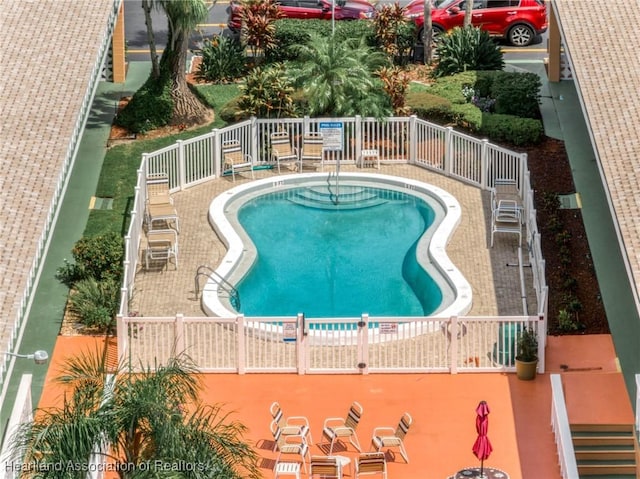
(321, 9)
(518, 21)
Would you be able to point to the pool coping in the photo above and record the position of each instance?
(236, 247)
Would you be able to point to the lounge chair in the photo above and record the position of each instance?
(336, 429)
(505, 189)
(234, 159)
(158, 189)
(389, 437)
(325, 467)
(162, 245)
(312, 150)
(506, 218)
(281, 149)
(370, 463)
(292, 425)
(289, 446)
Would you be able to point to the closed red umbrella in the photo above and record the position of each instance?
(482, 447)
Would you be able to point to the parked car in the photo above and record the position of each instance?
(517, 21)
(303, 9)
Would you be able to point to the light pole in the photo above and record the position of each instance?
(39, 357)
(333, 17)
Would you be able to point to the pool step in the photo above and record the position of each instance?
(350, 197)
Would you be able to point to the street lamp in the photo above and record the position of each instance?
(39, 357)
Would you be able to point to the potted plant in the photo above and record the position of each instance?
(527, 354)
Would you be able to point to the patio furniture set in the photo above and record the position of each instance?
(162, 224)
(506, 209)
(292, 438)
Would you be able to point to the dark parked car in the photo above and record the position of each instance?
(321, 9)
(518, 21)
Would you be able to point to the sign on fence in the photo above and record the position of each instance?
(289, 332)
(332, 135)
(388, 328)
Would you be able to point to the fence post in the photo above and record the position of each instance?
(215, 155)
(241, 350)
(181, 166)
(358, 137)
(363, 344)
(253, 142)
(301, 346)
(413, 141)
(542, 342)
(448, 151)
(123, 344)
(484, 164)
(453, 357)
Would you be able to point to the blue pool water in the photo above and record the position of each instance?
(327, 261)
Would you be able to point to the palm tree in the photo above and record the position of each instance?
(338, 78)
(148, 425)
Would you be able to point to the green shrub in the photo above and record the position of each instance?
(97, 257)
(464, 49)
(430, 107)
(223, 60)
(451, 87)
(512, 129)
(151, 107)
(468, 116)
(267, 93)
(517, 94)
(231, 112)
(95, 302)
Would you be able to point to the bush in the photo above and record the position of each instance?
(95, 302)
(464, 49)
(97, 257)
(512, 129)
(151, 107)
(223, 60)
(517, 94)
(430, 107)
(267, 93)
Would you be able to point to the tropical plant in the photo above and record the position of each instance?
(395, 82)
(145, 423)
(464, 49)
(168, 81)
(98, 257)
(394, 34)
(95, 302)
(223, 60)
(267, 93)
(527, 345)
(258, 25)
(338, 78)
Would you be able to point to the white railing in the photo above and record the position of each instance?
(21, 413)
(301, 345)
(638, 406)
(399, 140)
(562, 431)
(61, 184)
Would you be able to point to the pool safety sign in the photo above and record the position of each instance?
(332, 135)
(388, 328)
(289, 331)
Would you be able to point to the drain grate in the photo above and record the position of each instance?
(570, 202)
(98, 203)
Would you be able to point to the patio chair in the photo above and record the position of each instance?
(335, 428)
(281, 149)
(158, 189)
(506, 218)
(234, 159)
(289, 446)
(292, 425)
(505, 189)
(370, 463)
(162, 245)
(312, 150)
(389, 437)
(325, 467)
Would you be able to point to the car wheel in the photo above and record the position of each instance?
(521, 35)
(435, 33)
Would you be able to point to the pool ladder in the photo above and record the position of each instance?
(223, 284)
(333, 195)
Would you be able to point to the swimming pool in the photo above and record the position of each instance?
(380, 251)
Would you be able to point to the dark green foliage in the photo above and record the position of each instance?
(451, 87)
(98, 257)
(527, 345)
(267, 93)
(293, 32)
(517, 94)
(223, 60)
(151, 107)
(231, 112)
(430, 107)
(95, 302)
(512, 129)
(464, 49)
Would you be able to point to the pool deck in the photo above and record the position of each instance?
(495, 283)
(442, 405)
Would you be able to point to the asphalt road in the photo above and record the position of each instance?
(216, 24)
